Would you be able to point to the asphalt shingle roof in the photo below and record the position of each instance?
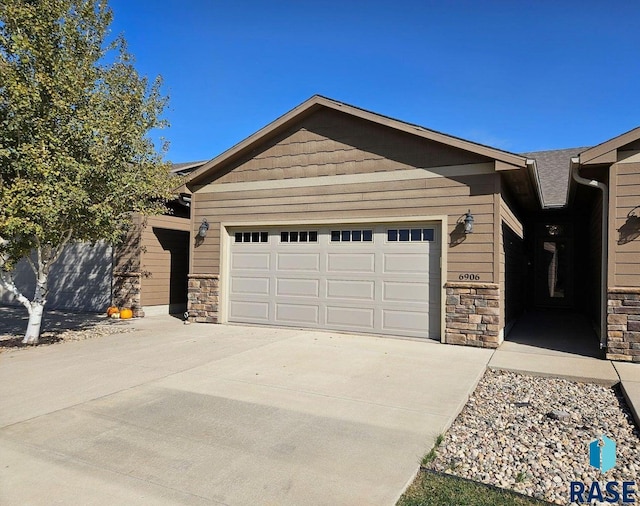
(186, 167)
(554, 173)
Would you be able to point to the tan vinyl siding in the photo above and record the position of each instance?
(360, 202)
(126, 256)
(625, 248)
(164, 260)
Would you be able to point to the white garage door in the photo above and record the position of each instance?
(381, 279)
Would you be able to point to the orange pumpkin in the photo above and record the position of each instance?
(111, 310)
(126, 313)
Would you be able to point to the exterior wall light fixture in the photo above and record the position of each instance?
(204, 227)
(468, 222)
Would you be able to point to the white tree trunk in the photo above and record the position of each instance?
(46, 255)
(37, 308)
(35, 322)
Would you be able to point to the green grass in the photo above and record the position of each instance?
(432, 453)
(435, 489)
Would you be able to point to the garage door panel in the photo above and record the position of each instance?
(352, 317)
(298, 262)
(250, 285)
(249, 311)
(351, 262)
(250, 261)
(406, 263)
(297, 287)
(405, 321)
(402, 291)
(297, 313)
(379, 286)
(350, 289)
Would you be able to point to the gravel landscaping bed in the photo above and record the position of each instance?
(531, 435)
(13, 341)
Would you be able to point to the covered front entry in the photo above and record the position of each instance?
(371, 278)
(562, 283)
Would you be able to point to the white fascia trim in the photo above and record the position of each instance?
(533, 167)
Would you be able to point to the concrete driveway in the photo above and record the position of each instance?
(212, 414)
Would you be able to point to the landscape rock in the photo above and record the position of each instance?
(524, 448)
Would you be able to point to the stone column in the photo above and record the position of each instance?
(203, 298)
(623, 324)
(126, 291)
(473, 314)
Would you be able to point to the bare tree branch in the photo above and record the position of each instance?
(33, 266)
(6, 280)
(63, 242)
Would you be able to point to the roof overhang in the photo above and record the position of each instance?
(606, 153)
(504, 160)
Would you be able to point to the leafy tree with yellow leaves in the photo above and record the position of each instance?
(75, 154)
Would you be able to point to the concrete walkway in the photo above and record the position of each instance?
(204, 414)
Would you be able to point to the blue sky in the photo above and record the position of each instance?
(517, 75)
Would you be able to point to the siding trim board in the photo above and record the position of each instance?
(388, 176)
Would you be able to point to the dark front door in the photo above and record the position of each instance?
(553, 262)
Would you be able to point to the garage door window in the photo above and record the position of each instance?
(351, 235)
(299, 236)
(410, 234)
(251, 236)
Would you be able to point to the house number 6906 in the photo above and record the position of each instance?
(468, 276)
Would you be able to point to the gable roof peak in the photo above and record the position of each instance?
(317, 101)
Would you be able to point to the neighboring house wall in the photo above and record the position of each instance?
(331, 166)
(151, 265)
(164, 264)
(127, 275)
(624, 258)
(80, 280)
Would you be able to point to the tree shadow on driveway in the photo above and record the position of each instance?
(56, 325)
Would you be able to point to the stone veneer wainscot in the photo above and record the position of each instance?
(623, 324)
(473, 314)
(125, 291)
(203, 298)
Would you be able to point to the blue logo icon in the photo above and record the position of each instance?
(602, 453)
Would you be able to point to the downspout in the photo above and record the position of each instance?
(575, 172)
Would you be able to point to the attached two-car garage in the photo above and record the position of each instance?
(372, 278)
(333, 217)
